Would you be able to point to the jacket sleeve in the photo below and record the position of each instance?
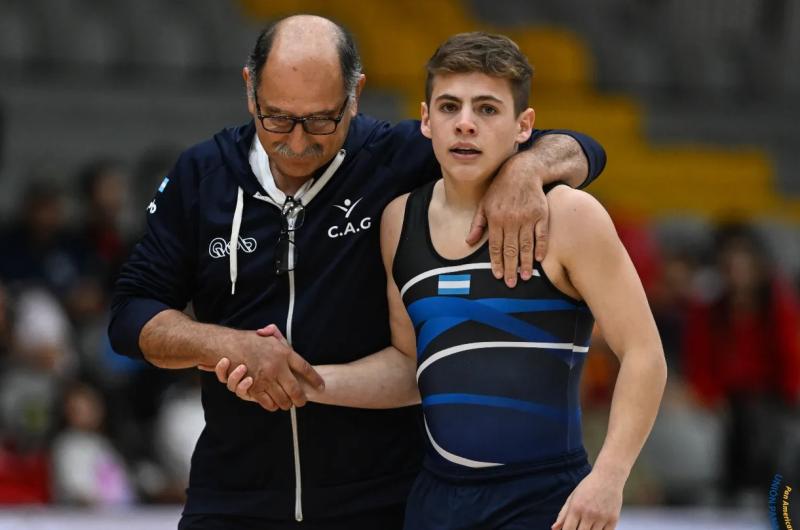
(414, 156)
(594, 152)
(412, 159)
(159, 273)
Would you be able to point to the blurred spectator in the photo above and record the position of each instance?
(24, 475)
(2, 132)
(27, 407)
(27, 418)
(87, 469)
(42, 334)
(104, 188)
(637, 235)
(29, 383)
(5, 324)
(29, 387)
(178, 426)
(670, 298)
(37, 246)
(104, 247)
(38, 358)
(742, 352)
(683, 451)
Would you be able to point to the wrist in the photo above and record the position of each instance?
(533, 168)
(558, 158)
(226, 343)
(613, 471)
(318, 394)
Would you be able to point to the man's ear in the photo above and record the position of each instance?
(425, 120)
(525, 124)
(362, 79)
(248, 87)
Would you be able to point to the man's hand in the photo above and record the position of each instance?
(516, 209)
(594, 504)
(272, 369)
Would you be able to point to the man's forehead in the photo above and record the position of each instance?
(300, 90)
(303, 71)
(297, 104)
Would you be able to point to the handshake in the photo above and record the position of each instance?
(266, 370)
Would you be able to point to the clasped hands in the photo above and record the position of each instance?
(267, 371)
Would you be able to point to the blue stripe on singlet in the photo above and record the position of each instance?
(516, 305)
(437, 314)
(496, 401)
(433, 328)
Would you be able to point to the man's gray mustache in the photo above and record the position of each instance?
(314, 150)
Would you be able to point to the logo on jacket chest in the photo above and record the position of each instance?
(219, 247)
(349, 225)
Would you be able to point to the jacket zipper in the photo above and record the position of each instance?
(298, 484)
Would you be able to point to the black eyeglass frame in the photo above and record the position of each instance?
(304, 120)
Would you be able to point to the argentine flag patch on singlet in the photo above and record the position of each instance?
(453, 284)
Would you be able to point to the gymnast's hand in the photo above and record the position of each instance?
(595, 504)
(277, 381)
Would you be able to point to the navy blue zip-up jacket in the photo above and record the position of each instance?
(351, 460)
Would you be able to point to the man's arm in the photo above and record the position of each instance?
(173, 340)
(385, 379)
(596, 264)
(515, 209)
(561, 156)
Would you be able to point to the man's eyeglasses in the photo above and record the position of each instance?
(293, 214)
(318, 125)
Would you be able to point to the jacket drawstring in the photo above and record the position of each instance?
(233, 245)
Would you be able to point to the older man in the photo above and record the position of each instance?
(276, 222)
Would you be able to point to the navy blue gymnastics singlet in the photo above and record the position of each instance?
(498, 368)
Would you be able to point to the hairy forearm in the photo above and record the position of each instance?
(173, 340)
(554, 157)
(634, 406)
(385, 379)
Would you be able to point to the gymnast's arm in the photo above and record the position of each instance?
(595, 263)
(385, 379)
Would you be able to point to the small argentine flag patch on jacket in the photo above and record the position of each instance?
(453, 284)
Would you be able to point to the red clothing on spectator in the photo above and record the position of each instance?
(106, 243)
(751, 354)
(24, 478)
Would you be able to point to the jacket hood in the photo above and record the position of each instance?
(234, 146)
